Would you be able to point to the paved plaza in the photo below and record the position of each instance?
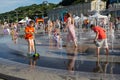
(66, 63)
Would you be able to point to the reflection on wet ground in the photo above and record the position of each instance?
(80, 59)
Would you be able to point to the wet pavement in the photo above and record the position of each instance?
(80, 60)
(7, 77)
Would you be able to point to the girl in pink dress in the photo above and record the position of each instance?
(71, 29)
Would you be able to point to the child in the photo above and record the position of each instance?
(57, 38)
(50, 28)
(29, 36)
(14, 35)
(100, 38)
(5, 31)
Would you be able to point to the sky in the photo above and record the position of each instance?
(8, 5)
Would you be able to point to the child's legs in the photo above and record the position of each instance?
(69, 38)
(75, 42)
(29, 48)
(34, 62)
(98, 51)
(105, 44)
(32, 45)
(12, 36)
(31, 62)
(58, 43)
(55, 41)
(15, 38)
(49, 34)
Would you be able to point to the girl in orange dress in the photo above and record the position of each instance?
(29, 36)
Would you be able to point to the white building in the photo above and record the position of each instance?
(84, 8)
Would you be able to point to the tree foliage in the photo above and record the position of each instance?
(31, 11)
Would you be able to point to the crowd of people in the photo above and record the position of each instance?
(54, 29)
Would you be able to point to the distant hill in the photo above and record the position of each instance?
(31, 11)
(35, 10)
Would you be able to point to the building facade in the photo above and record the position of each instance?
(78, 9)
(114, 9)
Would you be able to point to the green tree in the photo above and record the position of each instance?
(30, 11)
